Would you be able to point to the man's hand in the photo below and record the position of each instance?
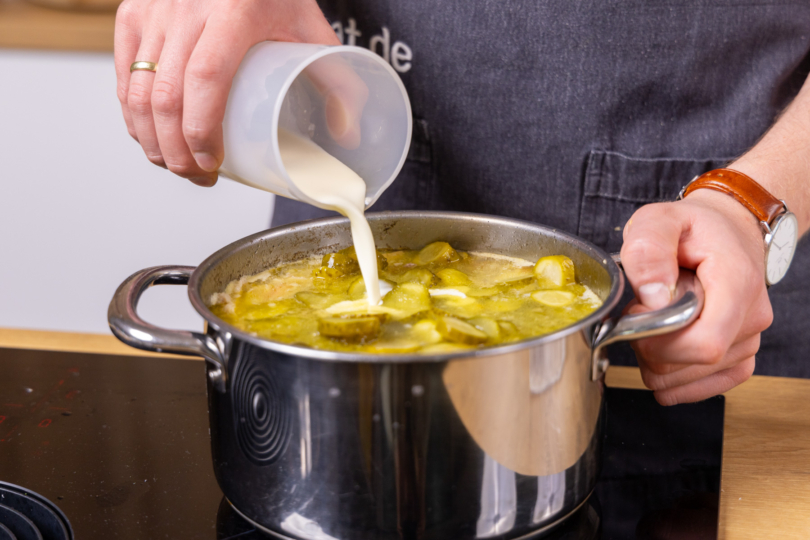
(176, 113)
(721, 240)
(713, 234)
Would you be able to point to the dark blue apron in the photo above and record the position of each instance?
(575, 113)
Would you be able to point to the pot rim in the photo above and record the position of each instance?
(220, 326)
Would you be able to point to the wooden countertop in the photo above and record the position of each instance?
(765, 491)
(26, 26)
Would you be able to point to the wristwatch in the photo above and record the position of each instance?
(779, 224)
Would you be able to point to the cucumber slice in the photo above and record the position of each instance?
(394, 346)
(316, 300)
(425, 332)
(451, 277)
(554, 272)
(508, 329)
(459, 307)
(479, 292)
(553, 298)
(357, 289)
(350, 329)
(437, 252)
(488, 326)
(503, 304)
(410, 297)
(458, 331)
(444, 348)
(420, 275)
(271, 310)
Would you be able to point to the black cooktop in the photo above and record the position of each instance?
(120, 444)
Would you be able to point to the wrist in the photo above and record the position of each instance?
(735, 213)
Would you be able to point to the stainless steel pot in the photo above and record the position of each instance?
(317, 445)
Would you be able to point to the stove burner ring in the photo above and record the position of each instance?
(25, 515)
(261, 413)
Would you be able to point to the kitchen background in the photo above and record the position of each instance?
(81, 208)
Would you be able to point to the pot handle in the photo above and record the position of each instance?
(127, 326)
(679, 314)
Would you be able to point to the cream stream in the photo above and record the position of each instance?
(334, 186)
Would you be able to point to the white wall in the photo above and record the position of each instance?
(81, 208)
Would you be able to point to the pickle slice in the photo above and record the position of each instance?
(444, 348)
(508, 329)
(315, 300)
(420, 275)
(357, 289)
(437, 252)
(553, 298)
(458, 331)
(478, 292)
(451, 277)
(503, 304)
(425, 332)
(488, 326)
(554, 272)
(459, 307)
(408, 297)
(395, 346)
(350, 329)
(269, 311)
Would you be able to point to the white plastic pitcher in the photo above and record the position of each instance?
(274, 88)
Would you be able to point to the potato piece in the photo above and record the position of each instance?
(458, 331)
(488, 326)
(554, 272)
(409, 297)
(420, 275)
(315, 300)
(350, 329)
(425, 332)
(553, 298)
(452, 278)
(437, 252)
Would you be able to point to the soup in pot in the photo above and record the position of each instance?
(435, 300)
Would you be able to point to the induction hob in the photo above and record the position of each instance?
(121, 445)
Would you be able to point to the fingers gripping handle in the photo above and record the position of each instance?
(679, 314)
(127, 326)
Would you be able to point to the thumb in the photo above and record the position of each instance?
(650, 253)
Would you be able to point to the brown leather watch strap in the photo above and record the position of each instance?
(743, 188)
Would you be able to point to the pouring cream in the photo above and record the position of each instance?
(334, 186)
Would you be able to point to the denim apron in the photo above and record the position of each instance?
(573, 114)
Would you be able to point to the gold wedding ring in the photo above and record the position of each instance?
(143, 66)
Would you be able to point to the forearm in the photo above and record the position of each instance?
(780, 161)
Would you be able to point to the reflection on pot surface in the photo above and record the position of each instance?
(471, 448)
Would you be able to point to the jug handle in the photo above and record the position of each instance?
(679, 314)
(128, 326)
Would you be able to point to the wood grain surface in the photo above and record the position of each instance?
(14, 338)
(765, 489)
(26, 26)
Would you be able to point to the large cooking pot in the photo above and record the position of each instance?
(500, 442)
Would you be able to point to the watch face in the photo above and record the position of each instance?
(780, 249)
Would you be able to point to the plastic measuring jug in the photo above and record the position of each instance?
(289, 86)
